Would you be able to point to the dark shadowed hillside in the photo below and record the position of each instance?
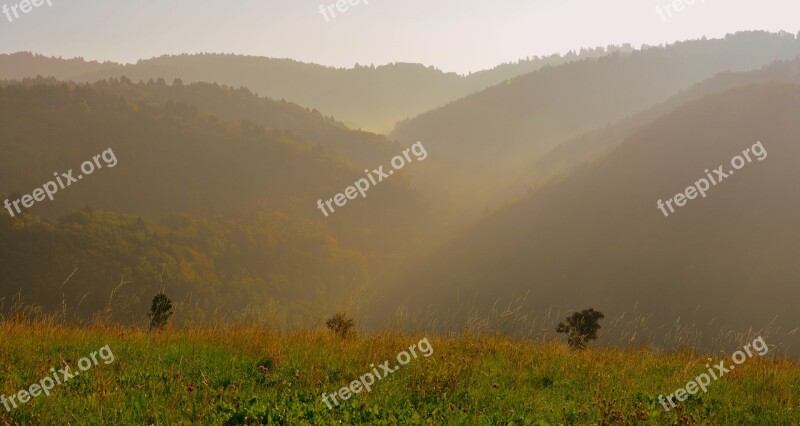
(173, 158)
(362, 149)
(597, 238)
(227, 210)
(180, 159)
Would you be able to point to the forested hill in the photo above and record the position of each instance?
(488, 140)
(27, 65)
(363, 149)
(597, 238)
(571, 154)
(372, 97)
(216, 203)
(172, 157)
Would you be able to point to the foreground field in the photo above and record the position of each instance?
(251, 376)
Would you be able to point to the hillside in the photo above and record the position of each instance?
(569, 155)
(368, 97)
(362, 149)
(172, 158)
(484, 140)
(182, 191)
(93, 263)
(596, 238)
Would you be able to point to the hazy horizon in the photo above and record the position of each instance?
(442, 35)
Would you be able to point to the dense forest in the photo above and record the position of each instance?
(269, 263)
(204, 203)
(596, 237)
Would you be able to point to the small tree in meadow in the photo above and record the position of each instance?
(160, 311)
(340, 325)
(581, 328)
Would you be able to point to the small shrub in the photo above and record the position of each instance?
(160, 311)
(340, 325)
(581, 328)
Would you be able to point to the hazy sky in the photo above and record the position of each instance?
(454, 35)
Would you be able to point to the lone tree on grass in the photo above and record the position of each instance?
(581, 328)
(160, 311)
(340, 325)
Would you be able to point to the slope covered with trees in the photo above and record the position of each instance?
(228, 209)
(91, 260)
(371, 97)
(362, 149)
(486, 141)
(596, 238)
(570, 155)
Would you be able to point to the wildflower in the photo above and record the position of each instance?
(190, 388)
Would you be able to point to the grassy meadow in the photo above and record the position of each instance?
(249, 375)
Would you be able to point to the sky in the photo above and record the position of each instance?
(452, 35)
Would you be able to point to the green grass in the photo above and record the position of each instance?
(467, 380)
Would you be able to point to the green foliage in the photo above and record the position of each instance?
(486, 381)
(581, 327)
(340, 325)
(229, 263)
(160, 311)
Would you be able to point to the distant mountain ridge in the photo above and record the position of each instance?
(17, 66)
(374, 98)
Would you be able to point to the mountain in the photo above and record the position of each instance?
(226, 212)
(596, 237)
(571, 154)
(374, 98)
(362, 149)
(174, 158)
(485, 142)
(17, 66)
